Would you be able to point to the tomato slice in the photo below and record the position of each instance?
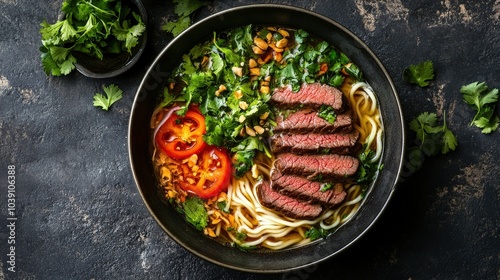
(182, 136)
(210, 175)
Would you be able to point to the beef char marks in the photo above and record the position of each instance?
(310, 152)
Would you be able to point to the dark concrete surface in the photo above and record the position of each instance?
(80, 216)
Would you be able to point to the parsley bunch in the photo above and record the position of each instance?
(482, 101)
(95, 28)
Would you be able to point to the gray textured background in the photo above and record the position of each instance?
(80, 215)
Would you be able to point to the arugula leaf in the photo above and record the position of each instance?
(113, 94)
(195, 211)
(477, 96)
(419, 74)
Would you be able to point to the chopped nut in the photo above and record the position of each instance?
(255, 171)
(238, 71)
(252, 63)
(257, 50)
(238, 94)
(192, 160)
(242, 119)
(260, 43)
(243, 105)
(276, 49)
(254, 71)
(269, 37)
(259, 129)
(264, 116)
(282, 43)
(283, 33)
(221, 89)
(204, 61)
(165, 174)
(264, 89)
(249, 131)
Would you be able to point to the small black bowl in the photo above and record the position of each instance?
(114, 64)
(177, 228)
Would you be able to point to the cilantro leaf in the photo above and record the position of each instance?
(196, 214)
(477, 96)
(113, 94)
(315, 233)
(419, 74)
(327, 113)
(184, 10)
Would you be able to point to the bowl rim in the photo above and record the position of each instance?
(393, 94)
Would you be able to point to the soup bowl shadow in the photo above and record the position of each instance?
(265, 261)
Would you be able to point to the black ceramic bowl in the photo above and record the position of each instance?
(269, 261)
(114, 64)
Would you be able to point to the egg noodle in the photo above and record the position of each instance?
(245, 222)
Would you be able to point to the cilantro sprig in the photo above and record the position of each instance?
(113, 94)
(420, 73)
(432, 138)
(482, 100)
(94, 28)
(184, 10)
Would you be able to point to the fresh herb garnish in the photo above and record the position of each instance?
(184, 10)
(477, 96)
(419, 74)
(432, 139)
(325, 187)
(113, 94)
(327, 113)
(94, 28)
(315, 233)
(368, 168)
(195, 211)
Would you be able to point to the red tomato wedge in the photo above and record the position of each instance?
(210, 175)
(182, 136)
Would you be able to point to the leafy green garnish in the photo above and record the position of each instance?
(113, 94)
(94, 28)
(315, 233)
(327, 113)
(368, 168)
(419, 74)
(195, 211)
(326, 186)
(183, 9)
(432, 139)
(482, 101)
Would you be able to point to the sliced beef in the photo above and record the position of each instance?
(286, 205)
(309, 95)
(308, 121)
(317, 166)
(306, 190)
(338, 143)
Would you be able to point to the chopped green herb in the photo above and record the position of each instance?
(327, 113)
(326, 186)
(477, 96)
(184, 10)
(419, 74)
(368, 168)
(315, 233)
(195, 211)
(113, 94)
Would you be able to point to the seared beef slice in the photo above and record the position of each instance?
(286, 205)
(307, 121)
(338, 143)
(310, 95)
(307, 190)
(317, 166)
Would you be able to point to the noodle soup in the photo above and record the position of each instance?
(266, 137)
